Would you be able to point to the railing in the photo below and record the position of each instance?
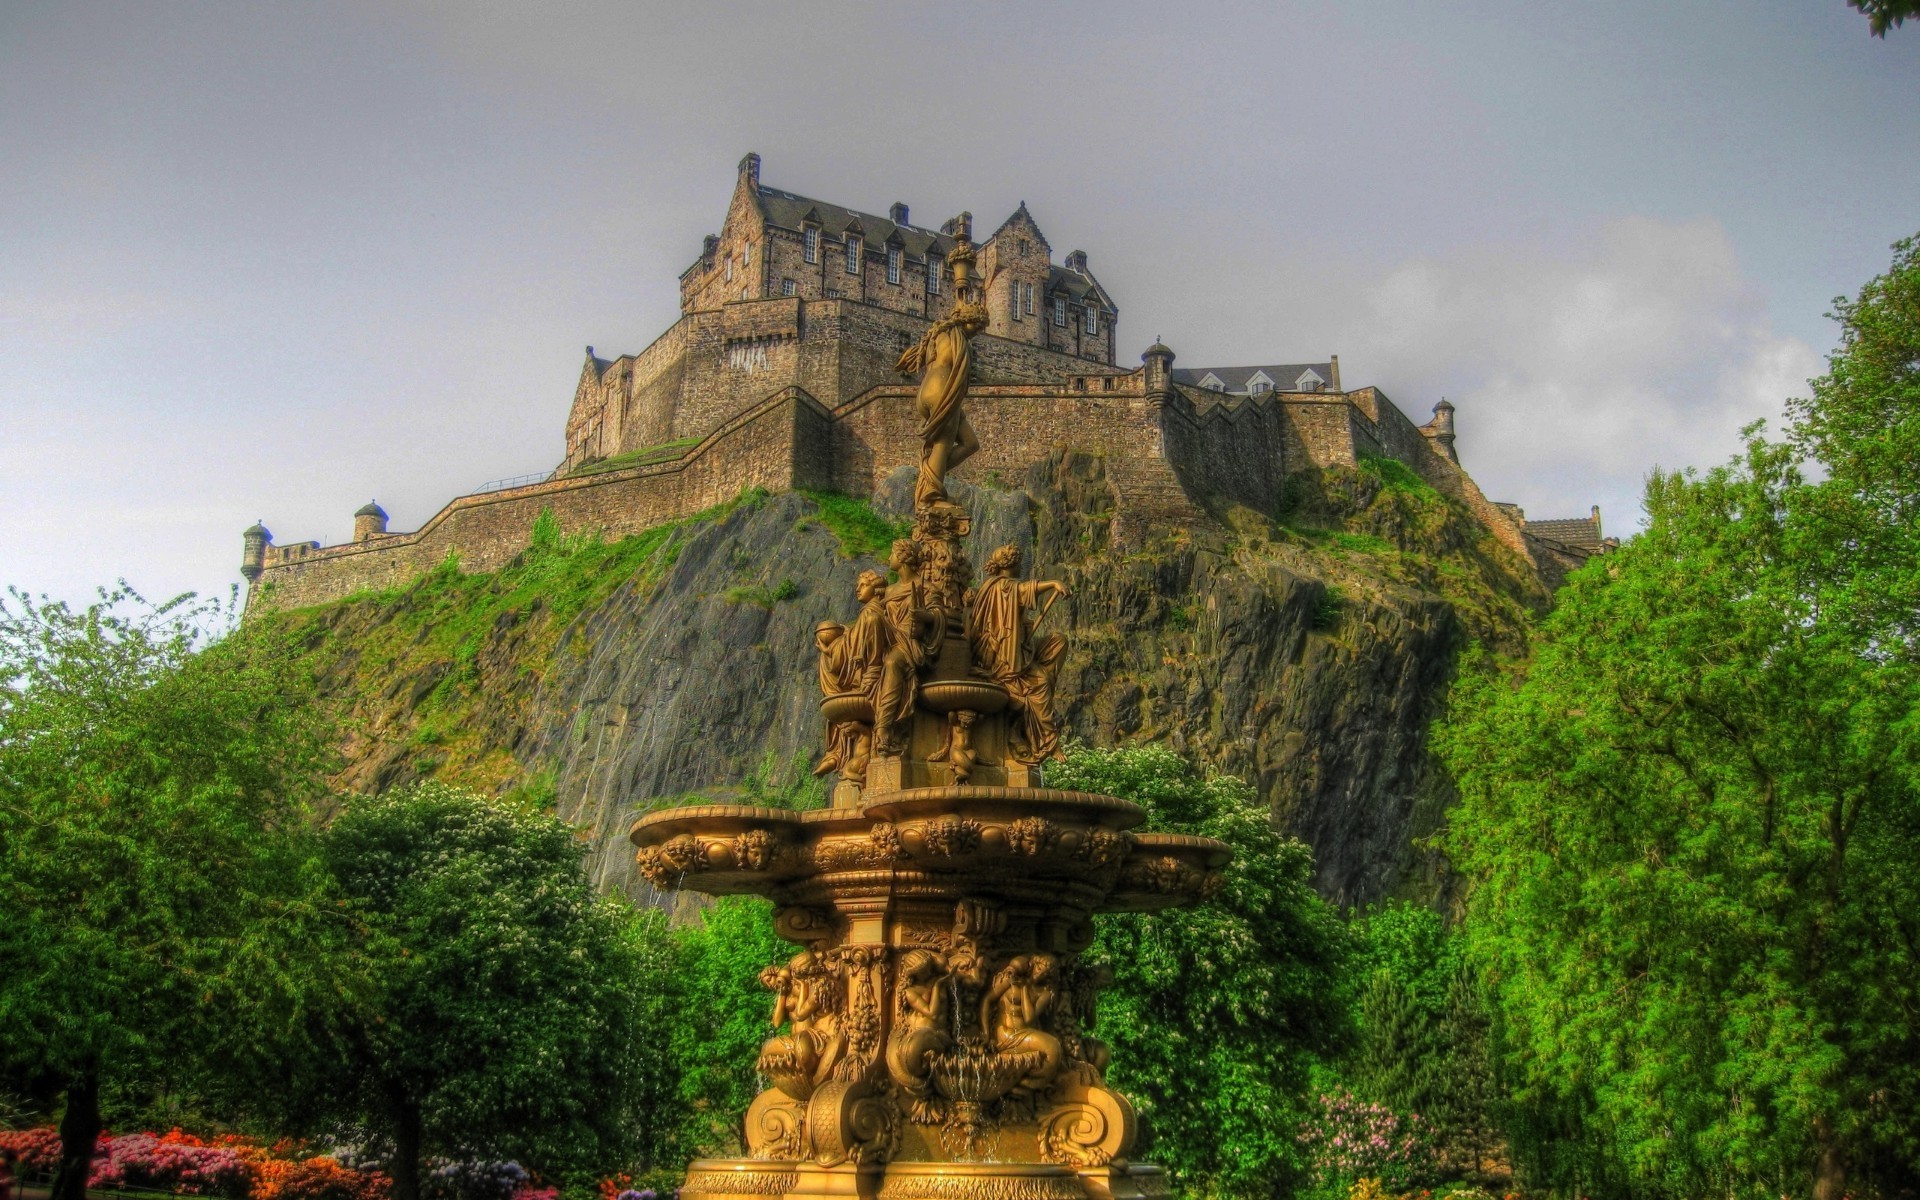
(501, 485)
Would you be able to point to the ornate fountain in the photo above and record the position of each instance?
(933, 1035)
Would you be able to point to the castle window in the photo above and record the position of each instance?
(1093, 320)
(893, 264)
(855, 250)
(729, 268)
(810, 243)
(746, 255)
(1060, 311)
(786, 287)
(935, 264)
(1027, 290)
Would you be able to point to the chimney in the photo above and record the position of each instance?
(898, 213)
(709, 246)
(750, 169)
(1336, 373)
(1077, 261)
(1596, 526)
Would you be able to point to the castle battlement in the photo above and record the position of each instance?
(781, 373)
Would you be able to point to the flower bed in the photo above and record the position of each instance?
(1351, 1139)
(229, 1167)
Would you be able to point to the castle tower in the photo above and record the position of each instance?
(369, 522)
(1440, 429)
(1159, 362)
(253, 551)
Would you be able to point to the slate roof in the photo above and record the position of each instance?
(1077, 287)
(1580, 532)
(1284, 376)
(788, 211)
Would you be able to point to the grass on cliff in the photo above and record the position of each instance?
(439, 660)
(644, 457)
(861, 530)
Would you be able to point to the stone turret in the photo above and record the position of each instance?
(1159, 361)
(254, 541)
(369, 522)
(1440, 429)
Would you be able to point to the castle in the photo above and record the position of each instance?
(780, 373)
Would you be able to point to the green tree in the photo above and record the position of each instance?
(1693, 818)
(1883, 15)
(723, 1019)
(1217, 1013)
(517, 1014)
(161, 916)
(1396, 1060)
(1464, 1095)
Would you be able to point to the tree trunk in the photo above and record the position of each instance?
(79, 1130)
(1829, 1167)
(406, 1149)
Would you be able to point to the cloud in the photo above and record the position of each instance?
(1575, 373)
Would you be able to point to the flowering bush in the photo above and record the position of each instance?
(39, 1149)
(228, 1166)
(1349, 1138)
(142, 1160)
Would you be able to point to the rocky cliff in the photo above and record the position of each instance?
(1306, 652)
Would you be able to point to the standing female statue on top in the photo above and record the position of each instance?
(943, 360)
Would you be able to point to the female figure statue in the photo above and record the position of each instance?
(943, 359)
(922, 1030)
(1005, 612)
(1020, 1002)
(913, 637)
(850, 658)
(803, 1059)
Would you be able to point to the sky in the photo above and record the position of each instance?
(272, 260)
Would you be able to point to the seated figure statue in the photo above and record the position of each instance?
(1001, 623)
(850, 661)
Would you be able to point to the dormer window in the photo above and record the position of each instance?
(934, 266)
(1213, 383)
(856, 249)
(893, 264)
(1309, 381)
(1093, 320)
(1060, 311)
(1260, 384)
(810, 243)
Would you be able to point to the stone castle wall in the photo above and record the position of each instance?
(1170, 455)
(776, 445)
(711, 365)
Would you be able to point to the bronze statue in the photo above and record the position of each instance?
(923, 1029)
(804, 994)
(944, 360)
(1016, 1012)
(1005, 612)
(913, 637)
(850, 661)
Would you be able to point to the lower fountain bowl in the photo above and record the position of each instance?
(973, 1180)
